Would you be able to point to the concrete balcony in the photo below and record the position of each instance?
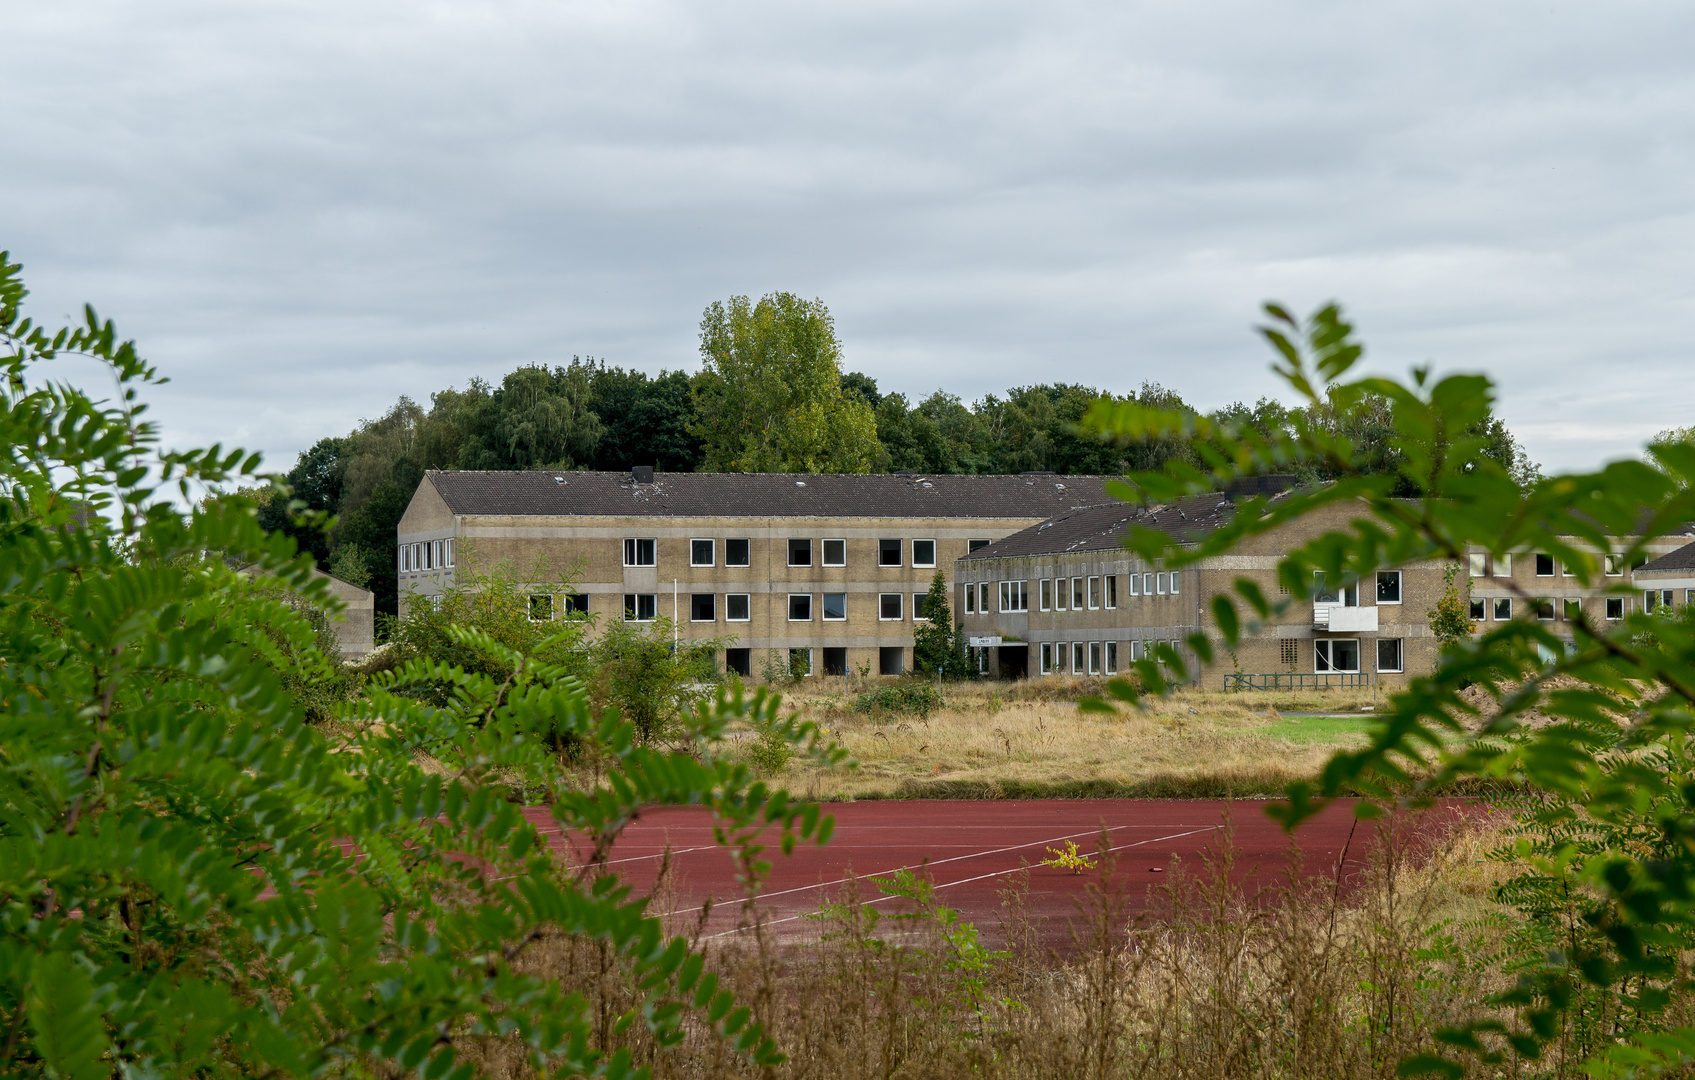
(1339, 618)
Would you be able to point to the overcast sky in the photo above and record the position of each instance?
(305, 209)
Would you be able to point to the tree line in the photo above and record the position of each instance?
(771, 395)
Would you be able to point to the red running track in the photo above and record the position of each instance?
(971, 850)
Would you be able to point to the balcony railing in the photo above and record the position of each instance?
(1293, 681)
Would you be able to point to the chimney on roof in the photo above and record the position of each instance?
(641, 474)
(1244, 487)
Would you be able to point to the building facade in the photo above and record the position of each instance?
(822, 573)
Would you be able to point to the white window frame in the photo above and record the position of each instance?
(1061, 593)
(1400, 656)
(825, 553)
(1495, 608)
(1553, 565)
(550, 606)
(743, 539)
(1112, 658)
(1612, 565)
(1481, 604)
(1553, 608)
(1094, 658)
(1078, 598)
(1136, 651)
(747, 599)
(633, 551)
(1619, 602)
(1094, 592)
(1504, 565)
(1479, 561)
(983, 598)
(450, 552)
(931, 565)
(1567, 603)
(1045, 654)
(977, 543)
(1159, 584)
(1400, 587)
(438, 553)
(714, 608)
(900, 605)
(790, 606)
(1174, 589)
(1044, 595)
(1015, 596)
(633, 612)
(1079, 658)
(1135, 583)
(900, 552)
(1110, 584)
(711, 547)
(811, 668)
(1325, 647)
(970, 599)
(405, 562)
(824, 608)
(916, 597)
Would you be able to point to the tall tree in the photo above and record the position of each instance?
(769, 397)
(646, 420)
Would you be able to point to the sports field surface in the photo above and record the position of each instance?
(972, 850)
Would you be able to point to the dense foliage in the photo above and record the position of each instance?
(938, 646)
(196, 882)
(1603, 986)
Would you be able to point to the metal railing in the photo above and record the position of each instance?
(1292, 681)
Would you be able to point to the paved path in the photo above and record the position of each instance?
(971, 850)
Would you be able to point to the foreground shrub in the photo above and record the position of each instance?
(909, 696)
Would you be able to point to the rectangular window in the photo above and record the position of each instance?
(976, 545)
(450, 546)
(1544, 565)
(1504, 565)
(1079, 658)
(1478, 608)
(1336, 655)
(1572, 609)
(924, 553)
(1137, 651)
(1389, 654)
(1076, 594)
(1565, 570)
(1655, 599)
(737, 552)
(888, 553)
(970, 598)
(738, 607)
(438, 553)
(703, 607)
(1544, 607)
(640, 607)
(703, 553)
(1094, 593)
(1060, 588)
(888, 606)
(576, 603)
(1389, 586)
(1615, 608)
(1015, 596)
(1479, 563)
(982, 598)
(1174, 583)
(1159, 584)
(405, 558)
(1503, 609)
(1047, 658)
(1135, 584)
(1112, 658)
(541, 607)
(835, 661)
(1045, 589)
(800, 552)
(1111, 591)
(640, 552)
(1614, 565)
(891, 660)
(918, 599)
(1147, 584)
(1094, 658)
(800, 607)
(835, 606)
(800, 663)
(835, 553)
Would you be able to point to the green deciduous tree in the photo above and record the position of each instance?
(195, 882)
(1603, 986)
(769, 396)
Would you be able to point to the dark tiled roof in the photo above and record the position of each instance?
(603, 494)
(1681, 559)
(1103, 527)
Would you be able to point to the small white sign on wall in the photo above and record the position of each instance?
(983, 642)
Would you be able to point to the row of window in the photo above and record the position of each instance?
(426, 555)
(1342, 655)
(1543, 607)
(891, 660)
(1095, 657)
(738, 551)
(738, 607)
(1075, 594)
(1611, 565)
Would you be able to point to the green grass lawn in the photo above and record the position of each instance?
(1317, 729)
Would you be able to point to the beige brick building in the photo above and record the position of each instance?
(822, 571)
(1065, 597)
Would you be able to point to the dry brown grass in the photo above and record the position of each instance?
(1031, 739)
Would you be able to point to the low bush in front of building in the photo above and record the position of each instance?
(899, 698)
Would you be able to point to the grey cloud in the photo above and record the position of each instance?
(304, 209)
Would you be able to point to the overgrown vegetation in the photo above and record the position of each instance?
(908, 696)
